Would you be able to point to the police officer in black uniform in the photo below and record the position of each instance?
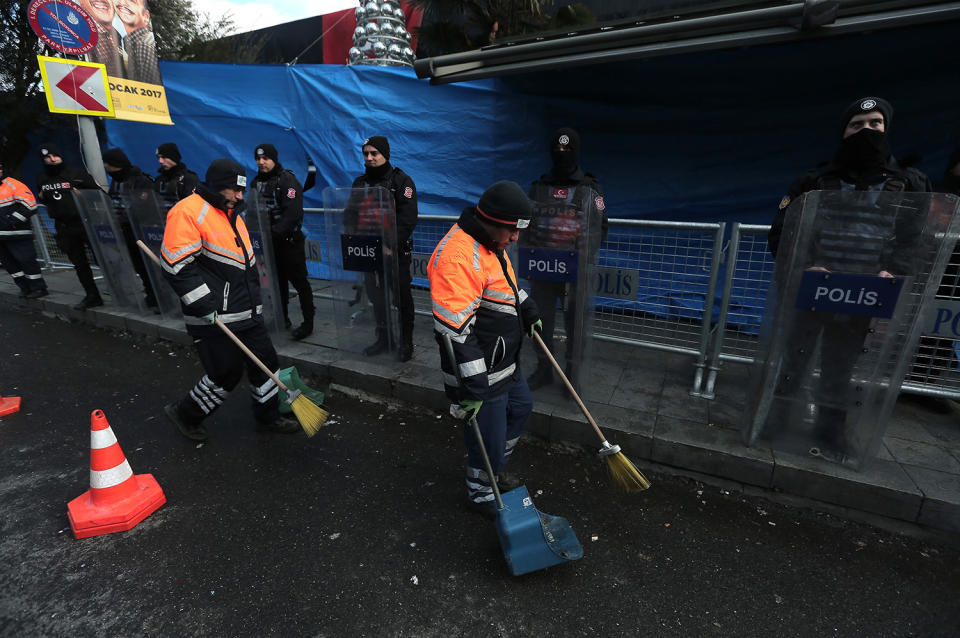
(127, 183)
(565, 184)
(55, 189)
(863, 162)
(283, 195)
(174, 180)
(379, 172)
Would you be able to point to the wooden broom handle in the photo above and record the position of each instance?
(566, 381)
(223, 326)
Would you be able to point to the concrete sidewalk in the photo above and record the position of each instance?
(640, 398)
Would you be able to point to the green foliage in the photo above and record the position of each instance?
(20, 109)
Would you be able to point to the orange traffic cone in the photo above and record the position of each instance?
(9, 405)
(117, 500)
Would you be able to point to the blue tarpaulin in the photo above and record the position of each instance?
(716, 136)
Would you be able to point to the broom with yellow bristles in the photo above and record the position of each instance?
(310, 415)
(625, 473)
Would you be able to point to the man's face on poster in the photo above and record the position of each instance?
(100, 10)
(133, 13)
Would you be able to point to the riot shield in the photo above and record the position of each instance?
(257, 218)
(108, 242)
(147, 216)
(362, 243)
(843, 317)
(556, 256)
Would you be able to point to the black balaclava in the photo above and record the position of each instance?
(564, 162)
(865, 152)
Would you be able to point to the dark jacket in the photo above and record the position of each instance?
(283, 196)
(404, 198)
(829, 176)
(17, 206)
(176, 183)
(949, 184)
(208, 260)
(477, 303)
(583, 193)
(127, 183)
(55, 190)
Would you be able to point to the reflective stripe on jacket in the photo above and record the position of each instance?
(17, 205)
(208, 259)
(476, 302)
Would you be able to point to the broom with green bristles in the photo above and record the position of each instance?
(311, 416)
(625, 473)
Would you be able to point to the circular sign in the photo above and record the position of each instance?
(63, 25)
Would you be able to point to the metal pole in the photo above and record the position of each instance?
(90, 146)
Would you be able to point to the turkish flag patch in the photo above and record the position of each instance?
(291, 193)
(599, 202)
(408, 192)
(560, 193)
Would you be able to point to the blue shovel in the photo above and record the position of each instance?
(530, 539)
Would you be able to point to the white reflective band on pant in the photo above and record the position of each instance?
(109, 478)
(100, 439)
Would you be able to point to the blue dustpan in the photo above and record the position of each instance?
(530, 539)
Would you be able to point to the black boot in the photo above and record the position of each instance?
(406, 350)
(379, 346)
(304, 330)
(542, 376)
(90, 301)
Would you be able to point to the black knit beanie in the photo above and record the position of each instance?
(116, 157)
(49, 148)
(505, 204)
(225, 173)
(865, 105)
(170, 151)
(567, 138)
(266, 150)
(378, 142)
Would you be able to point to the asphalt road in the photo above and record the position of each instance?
(360, 531)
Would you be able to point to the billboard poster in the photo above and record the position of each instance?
(125, 45)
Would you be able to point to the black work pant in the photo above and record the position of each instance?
(841, 344)
(72, 240)
(546, 294)
(291, 261)
(137, 257)
(19, 257)
(224, 364)
(400, 292)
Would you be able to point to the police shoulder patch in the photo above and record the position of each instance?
(408, 192)
(601, 205)
(784, 202)
(291, 193)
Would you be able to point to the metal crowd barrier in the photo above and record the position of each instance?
(749, 268)
(667, 286)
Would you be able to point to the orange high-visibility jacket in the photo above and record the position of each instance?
(477, 303)
(209, 261)
(17, 206)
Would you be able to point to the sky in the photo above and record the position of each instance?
(256, 14)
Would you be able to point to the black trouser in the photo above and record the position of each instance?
(291, 261)
(224, 363)
(399, 290)
(19, 257)
(137, 257)
(545, 294)
(72, 240)
(842, 339)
